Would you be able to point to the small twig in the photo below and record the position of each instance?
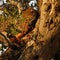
(7, 39)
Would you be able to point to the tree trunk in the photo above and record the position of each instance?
(47, 29)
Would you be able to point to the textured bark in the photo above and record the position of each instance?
(44, 40)
(48, 31)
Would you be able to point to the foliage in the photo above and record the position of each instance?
(22, 19)
(2, 46)
(11, 29)
(12, 10)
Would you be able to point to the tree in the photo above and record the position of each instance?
(47, 28)
(45, 41)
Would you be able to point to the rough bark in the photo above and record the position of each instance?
(45, 37)
(48, 32)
